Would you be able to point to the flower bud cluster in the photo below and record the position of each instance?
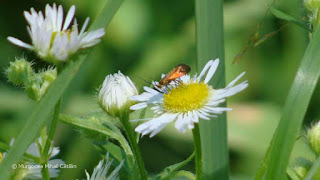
(20, 73)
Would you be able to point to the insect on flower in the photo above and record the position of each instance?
(175, 73)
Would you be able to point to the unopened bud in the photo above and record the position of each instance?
(115, 93)
(20, 72)
(313, 136)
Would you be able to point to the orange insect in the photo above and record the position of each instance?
(175, 73)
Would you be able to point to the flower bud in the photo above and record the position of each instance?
(302, 167)
(312, 5)
(49, 75)
(0, 157)
(115, 93)
(313, 136)
(20, 72)
(40, 84)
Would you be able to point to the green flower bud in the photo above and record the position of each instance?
(313, 137)
(302, 167)
(312, 5)
(115, 93)
(20, 72)
(49, 75)
(40, 84)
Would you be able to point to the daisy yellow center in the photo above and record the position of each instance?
(186, 97)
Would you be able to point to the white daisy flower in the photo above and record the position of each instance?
(115, 93)
(33, 169)
(50, 36)
(101, 170)
(185, 102)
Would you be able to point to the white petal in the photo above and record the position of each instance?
(69, 17)
(211, 71)
(235, 80)
(138, 106)
(181, 122)
(150, 90)
(204, 70)
(142, 97)
(200, 115)
(155, 123)
(84, 26)
(59, 18)
(157, 130)
(18, 42)
(234, 90)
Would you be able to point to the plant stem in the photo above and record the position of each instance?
(124, 117)
(45, 156)
(210, 45)
(197, 150)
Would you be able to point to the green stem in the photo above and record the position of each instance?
(210, 45)
(197, 150)
(124, 117)
(45, 156)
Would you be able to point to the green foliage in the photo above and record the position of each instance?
(171, 171)
(95, 124)
(40, 113)
(210, 45)
(295, 109)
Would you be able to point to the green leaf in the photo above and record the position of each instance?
(210, 45)
(100, 123)
(170, 171)
(295, 109)
(92, 122)
(40, 113)
(183, 173)
(281, 15)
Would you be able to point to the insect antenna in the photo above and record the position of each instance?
(142, 79)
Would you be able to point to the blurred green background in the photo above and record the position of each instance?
(147, 38)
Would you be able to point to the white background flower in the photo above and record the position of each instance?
(101, 170)
(34, 150)
(51, 38)
(185, 102)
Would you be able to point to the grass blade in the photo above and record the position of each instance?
(210, 45)
(41, 111)
(294, 110)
